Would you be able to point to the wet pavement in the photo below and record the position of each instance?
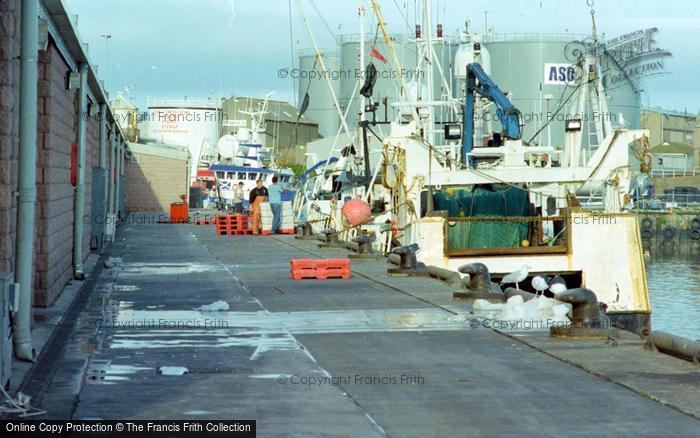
(369, 356)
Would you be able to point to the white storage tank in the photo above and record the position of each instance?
(193, 124)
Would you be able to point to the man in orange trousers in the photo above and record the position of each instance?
(257, 196)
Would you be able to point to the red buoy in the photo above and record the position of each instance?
(356, 212)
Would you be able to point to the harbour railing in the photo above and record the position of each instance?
(672, 173)
(666, 201)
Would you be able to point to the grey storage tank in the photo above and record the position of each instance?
(521, 65)
(309, 78)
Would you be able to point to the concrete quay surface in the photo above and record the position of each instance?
(373, 355)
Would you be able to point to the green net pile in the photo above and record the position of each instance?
(508, 202)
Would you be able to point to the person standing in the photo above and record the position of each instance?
(275, 194)
(257, 196)
(238, 197)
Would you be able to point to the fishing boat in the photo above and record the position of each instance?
(464, 194)
(242, 158)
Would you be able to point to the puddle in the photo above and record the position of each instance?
(105, 372)
(199, 413)
(172, 371)
(264, 331)
(138, 269)
(125, 288)
(259, 266)
(269, 376)
(265, 323)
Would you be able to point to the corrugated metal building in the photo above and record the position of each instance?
(282, 132)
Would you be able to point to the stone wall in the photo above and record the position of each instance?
(9, 130)
(57, 125)
(154, 182)
(55, 193)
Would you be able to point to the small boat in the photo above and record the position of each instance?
(242, 158)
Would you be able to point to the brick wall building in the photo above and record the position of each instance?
(156, 176)
(58, 116)
(9, 130)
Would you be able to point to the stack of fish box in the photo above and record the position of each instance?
(287, 225)
(286, 221)
(266, 218)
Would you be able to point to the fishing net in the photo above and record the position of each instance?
(483, 202)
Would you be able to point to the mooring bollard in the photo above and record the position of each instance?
(330, 239)
(479, 284)
(408, 264)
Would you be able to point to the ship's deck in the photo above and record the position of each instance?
(403, 357)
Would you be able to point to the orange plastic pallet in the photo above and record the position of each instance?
(321, 269)
(232, 219)
(232, 227)
(230, 232)
(321, 274)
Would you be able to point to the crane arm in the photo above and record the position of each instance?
(478, 81)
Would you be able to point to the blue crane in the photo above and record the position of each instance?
(478, 81)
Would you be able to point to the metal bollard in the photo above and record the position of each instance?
(330, 239)
(588, 320)
(304, 232)
(408, 265)
(480, 285)
(364, 247)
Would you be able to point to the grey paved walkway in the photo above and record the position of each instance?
(368, 356)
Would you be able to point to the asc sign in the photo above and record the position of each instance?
(558, 74)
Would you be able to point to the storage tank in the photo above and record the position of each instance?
(387, 80)
(347, 71)
(518, 63)
(521, 65)
(192, 124)
(309, 77)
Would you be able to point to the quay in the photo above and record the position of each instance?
(373, 355)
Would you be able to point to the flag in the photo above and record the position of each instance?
(375, 54)
(304, 106)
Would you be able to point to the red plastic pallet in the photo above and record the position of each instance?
(235, 224)
(321, 269)
(233, 219)
(230, 232)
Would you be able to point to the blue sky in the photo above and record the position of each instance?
(203, 48)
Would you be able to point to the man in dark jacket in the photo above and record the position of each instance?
(257, 196)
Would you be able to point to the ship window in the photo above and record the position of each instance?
(252, 176)
(220, 175)
(229, 175)
(241, 175)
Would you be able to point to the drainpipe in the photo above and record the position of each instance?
(103, 136)
(27, 178)
(79, 205)
(122, 163)
(103, 162)
(118, 187)
(112, 157)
